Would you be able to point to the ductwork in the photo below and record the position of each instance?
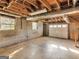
(53, 14)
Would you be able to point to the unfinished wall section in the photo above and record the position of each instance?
(23, 31)
(74, 30)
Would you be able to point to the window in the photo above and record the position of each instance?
(7, 23)
(59, 26)
(34, 25)
(55, 26)
(51, 26)
(64, 25)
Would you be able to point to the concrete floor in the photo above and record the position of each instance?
(42, 48)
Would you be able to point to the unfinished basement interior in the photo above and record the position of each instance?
(39, 29)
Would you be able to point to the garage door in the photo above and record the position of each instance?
(58, 30)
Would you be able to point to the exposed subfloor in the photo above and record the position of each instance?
(42, 48)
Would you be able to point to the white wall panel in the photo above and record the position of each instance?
(58, 30)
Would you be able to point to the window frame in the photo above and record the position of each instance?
(4, 24)
(34, 25)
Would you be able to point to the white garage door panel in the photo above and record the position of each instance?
(58, 30)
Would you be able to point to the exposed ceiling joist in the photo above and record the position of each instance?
(68, 2)
(74, 2)
(38, 12)
(73, 20)
(24, 7)
(54, 20)
(9, 14)
(50, 15)
(66, 19)
(28, 6)
(17, 8)
(46, 4)
(58, 5)
(32, 2)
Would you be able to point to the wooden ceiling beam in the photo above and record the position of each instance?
(32, 2)
(3, 3)
(60, 19)
(66, 19)
(76, 19)
(17, 7)
(72, 20)
(58, 5)
(74, 2)
(54, 14)
(68, 2)
(56, 19)
(7, 12)
(54, 3)
(28, 6)
(46, 4)
(13, 12)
